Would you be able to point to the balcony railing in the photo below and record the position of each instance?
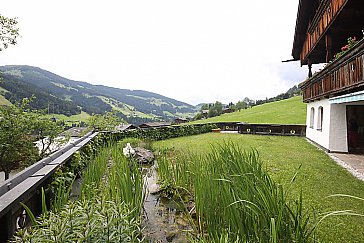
(343, 74)
(324, 17)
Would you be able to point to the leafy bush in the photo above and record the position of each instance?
(86, 220)
(109, 210)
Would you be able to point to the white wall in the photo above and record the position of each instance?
(322, 136)
(338, 129)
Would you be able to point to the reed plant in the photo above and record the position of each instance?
(125, 181)
(96, 169)
(235, 198)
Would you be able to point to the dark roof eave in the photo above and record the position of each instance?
(304, 8)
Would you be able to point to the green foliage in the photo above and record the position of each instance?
(61, 187)
(155, 134)
(235, 196)
(350, 44)
(19, 129)
(105, 122)
(126, 181)
(93, 220)
(47, 131)
(8, 32)
(240, 105)
(16, 141)
(109, 209)
(318, 177)
(215, 110)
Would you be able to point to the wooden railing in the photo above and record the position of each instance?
(273, 129)
(343, 74)
(324, 17)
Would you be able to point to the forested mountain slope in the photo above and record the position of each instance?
(65, 96)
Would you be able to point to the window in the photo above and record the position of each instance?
(320, 116)
(312, 117)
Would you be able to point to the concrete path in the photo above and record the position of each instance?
(354, 163)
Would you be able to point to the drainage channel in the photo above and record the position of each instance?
(164, 219)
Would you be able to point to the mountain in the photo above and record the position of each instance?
(69, 97)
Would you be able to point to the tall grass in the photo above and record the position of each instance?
(93, 174)
(126, 183)
(109, 209)
(235, 198)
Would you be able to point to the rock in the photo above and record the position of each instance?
(144, 156)
(170, 236)
(154, 189)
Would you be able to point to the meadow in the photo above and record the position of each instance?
(288, 111)
(285, 158)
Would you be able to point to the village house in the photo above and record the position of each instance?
(331, 32)
(149, 125)
(125, 127)
(180, 121)
(227, 110)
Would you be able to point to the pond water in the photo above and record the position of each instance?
(164, 220)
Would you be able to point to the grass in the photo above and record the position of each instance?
(4, 101)
(80, 117)
(235, 196)
(318, 177)
(289, 111)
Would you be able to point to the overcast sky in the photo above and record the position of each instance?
(191, 50)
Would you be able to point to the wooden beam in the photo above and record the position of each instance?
(328, 41)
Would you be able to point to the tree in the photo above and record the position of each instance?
(216, 109)
(241, 105)
(19, 129)
(16, 141)
(104, 122)
(8, 32)
(249, 101)
(47, 134)
(198, 116)
(205, 107)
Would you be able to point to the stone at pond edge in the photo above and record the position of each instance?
(154, 189)
(144, 156)
(170, 236)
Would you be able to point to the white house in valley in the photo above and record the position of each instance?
(331, 32)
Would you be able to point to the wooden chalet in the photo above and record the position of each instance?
(180, 121)
(227, 110)
(124, 127)
(334, 95)
(154, 125)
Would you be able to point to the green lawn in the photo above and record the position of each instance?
(80, 117)
(318, 177)
(289, 111)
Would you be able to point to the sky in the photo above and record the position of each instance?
(192, 50)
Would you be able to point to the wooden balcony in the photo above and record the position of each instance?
(343, 75)
(323, 19)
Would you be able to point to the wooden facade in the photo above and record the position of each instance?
(323, 19)
(322, 29)
(343, 75)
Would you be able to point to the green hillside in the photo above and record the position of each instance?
(68, 97)
(288, 111)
